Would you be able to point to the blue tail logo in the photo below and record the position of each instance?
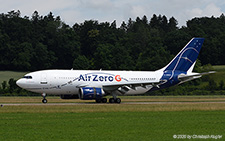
(182, 62)
(186, 57)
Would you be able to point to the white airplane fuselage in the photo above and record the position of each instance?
(60, 82)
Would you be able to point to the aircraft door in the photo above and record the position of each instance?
(44, 79)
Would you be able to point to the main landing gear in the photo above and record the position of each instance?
(103, 100)
(44, 100)
(115, 100)
(111, 100)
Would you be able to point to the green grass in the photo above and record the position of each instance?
(111, 121)
(220, 73)
(219, 67)
(110, 125)
(218, 76)
(6, 75)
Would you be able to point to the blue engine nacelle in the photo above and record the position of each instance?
(90, 93)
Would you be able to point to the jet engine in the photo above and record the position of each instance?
(90, 93)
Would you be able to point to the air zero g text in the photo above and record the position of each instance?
(95, 77)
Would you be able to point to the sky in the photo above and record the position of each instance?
(77, 11)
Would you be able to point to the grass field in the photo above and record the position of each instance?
(219, 67)
(112, 121)
(6, 75)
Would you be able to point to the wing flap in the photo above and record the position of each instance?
(125, 87)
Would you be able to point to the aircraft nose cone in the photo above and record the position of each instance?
(20, 83)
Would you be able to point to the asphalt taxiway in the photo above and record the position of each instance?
(93, 103)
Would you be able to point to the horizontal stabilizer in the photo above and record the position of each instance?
(185, 78)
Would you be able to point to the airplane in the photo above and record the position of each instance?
(96, 84)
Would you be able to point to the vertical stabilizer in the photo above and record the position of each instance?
(185, 59)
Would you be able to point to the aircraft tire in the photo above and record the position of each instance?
(104, 100)
(44, 101)
(118, 100)
(111, 100)
(98, 100)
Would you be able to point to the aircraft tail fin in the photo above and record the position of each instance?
(184, 61)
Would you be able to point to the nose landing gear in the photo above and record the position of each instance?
(44, 100)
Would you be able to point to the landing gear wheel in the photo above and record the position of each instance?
(111, 100)
(44, 101)
(104, 100)
(118, 100)
(98, 100)
(44, 96)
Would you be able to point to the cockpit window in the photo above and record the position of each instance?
(28, 77)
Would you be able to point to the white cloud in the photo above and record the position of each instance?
(209, 10)
(137, 11)
(194, 12)
(212, 9)
(70, 16)
(27, 7)
(98, 4)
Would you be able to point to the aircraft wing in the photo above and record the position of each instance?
(123, 88)
(185, 78)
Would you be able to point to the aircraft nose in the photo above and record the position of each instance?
(20, 83)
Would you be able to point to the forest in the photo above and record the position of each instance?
(46, 42)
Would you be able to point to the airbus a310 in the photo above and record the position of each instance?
(96, 84)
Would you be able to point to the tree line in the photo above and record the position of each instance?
(46, 42)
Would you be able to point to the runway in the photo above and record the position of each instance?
(122, 103)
